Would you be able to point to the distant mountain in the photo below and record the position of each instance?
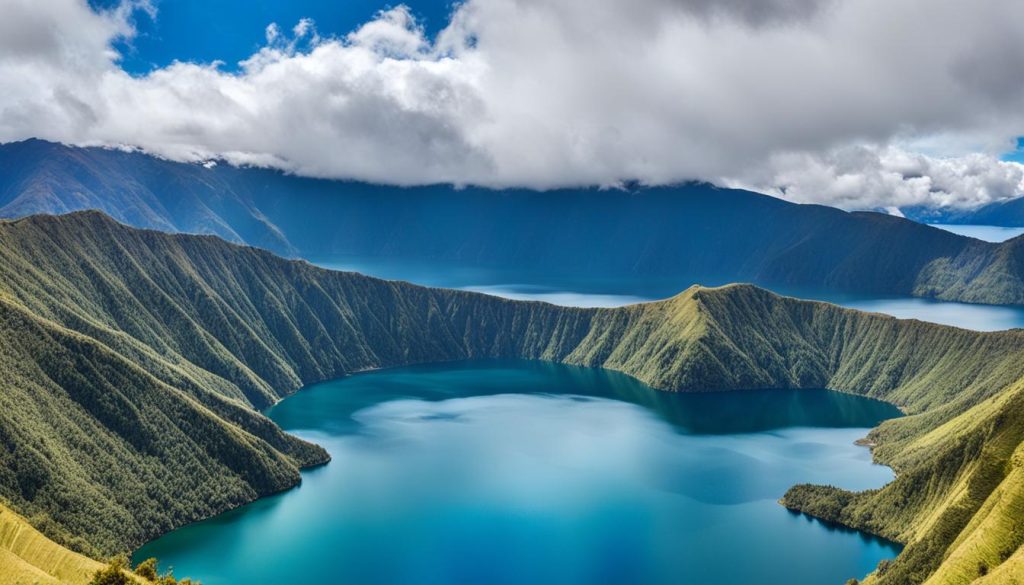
(133, 362)
(1002, 213)
(691, 233)
(44, 177)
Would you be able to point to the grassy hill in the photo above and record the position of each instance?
(29, 558)
(666, 237)
(135, 362)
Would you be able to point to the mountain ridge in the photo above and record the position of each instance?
(680, 235)
(1008, 213)
(137, 361)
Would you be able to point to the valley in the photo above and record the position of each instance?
(147, 342)
(511, 292)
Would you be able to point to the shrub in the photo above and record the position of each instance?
(113, 574)
(147, 569)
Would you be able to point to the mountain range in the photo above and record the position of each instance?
(136, 363)
(684, 234)
(1009, 213)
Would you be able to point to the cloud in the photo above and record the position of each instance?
(864, 177)
(394, 33)
(818, 100)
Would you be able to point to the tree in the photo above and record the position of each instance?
(883, 566)
(113, 574)
(147, 569)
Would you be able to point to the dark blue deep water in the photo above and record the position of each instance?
(527, 472)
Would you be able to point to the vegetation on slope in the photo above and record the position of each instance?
(959, 509)
(119, 572)
(29, 558)
(134, 359)
(137, 360)
(675, 235)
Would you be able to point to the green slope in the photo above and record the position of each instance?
(29, 558)
(135, 361)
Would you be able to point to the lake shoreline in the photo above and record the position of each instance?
(509, 373)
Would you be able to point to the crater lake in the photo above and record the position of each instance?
(530, 472)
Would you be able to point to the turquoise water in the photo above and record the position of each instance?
(526, 472)
(579, 291)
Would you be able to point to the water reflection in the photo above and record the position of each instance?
(565, 298)
(516, 472)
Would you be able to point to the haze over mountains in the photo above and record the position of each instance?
(693, 233)
(1001, 213)
(179, 179)
(135, 359)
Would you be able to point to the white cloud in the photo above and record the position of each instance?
(860, 177)
(860, 103)
(393, 33)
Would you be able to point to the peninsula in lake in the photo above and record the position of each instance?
(512, 292)
(144, 357)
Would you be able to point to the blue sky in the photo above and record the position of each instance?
(1016, 155)
(825, 101)
(231, 30)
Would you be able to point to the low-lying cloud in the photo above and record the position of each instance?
(858, 103)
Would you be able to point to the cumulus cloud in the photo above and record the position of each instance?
(814, 100)
(864, 177)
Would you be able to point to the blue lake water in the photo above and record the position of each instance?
(527, 472)
(988, 233)
(965, 315)
(583, 291)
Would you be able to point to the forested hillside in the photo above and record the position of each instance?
(135, 361)
(674, 235)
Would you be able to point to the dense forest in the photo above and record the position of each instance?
(137, 362)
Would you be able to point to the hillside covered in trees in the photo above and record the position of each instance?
(136, 363)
